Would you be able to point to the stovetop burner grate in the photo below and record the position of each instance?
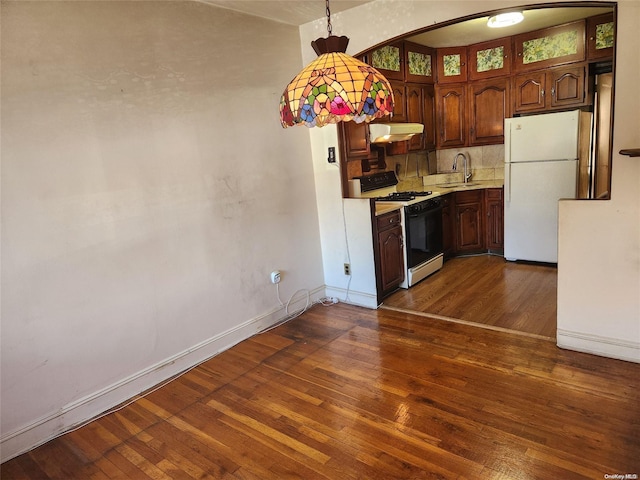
(402, 196)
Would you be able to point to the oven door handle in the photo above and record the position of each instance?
(425, 212)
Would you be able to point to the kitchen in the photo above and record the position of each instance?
(466, 161)
(125, 216)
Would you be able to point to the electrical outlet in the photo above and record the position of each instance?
(347, 269)
(275, 276)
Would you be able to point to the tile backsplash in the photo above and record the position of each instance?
(486, 163)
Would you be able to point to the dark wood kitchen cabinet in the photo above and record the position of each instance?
(470, 230)
(421, 109)
(451, 64)
(388, 60)
(448, 223)
(389, 253)
(355, 139)
(489, 105)
(600, 37)
(399, 103)
(549, 89)
(568, 86)
(490, 59)
(549, 47)
(472, 222)
(451, 104)
(419, 63)
(494, 208)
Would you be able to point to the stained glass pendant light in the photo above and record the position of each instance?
(335, 87)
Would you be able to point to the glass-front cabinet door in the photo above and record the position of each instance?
(388, 60)
(419, 63)
(490, 59)
(550, 47)
(600, 36)
(451, 64)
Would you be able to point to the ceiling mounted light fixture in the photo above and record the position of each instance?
(505, 19)
(335, 87)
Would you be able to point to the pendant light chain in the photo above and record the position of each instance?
(328, 18)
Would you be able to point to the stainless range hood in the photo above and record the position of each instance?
(393, 132)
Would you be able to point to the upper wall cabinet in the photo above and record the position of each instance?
(419, 63)
(399, 103)
(451, 105)
(451, 64)
(489, 105)
(550, 47)
(490, 59)
(558, 87)
(600, 36)
(388, 60)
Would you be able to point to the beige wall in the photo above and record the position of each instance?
(599, 242)
(599, 266)
(142, 209)
(148, 190)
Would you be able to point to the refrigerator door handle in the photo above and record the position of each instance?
(507, 182)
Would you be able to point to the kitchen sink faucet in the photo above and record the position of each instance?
(467, 175)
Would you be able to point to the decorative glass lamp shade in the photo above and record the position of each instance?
(334, 88)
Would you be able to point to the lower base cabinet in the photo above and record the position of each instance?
(389, 253)
(472, 222)
(494, 208)
(469, 221)
(448, 223)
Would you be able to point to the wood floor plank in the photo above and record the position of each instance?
(487, 290)
(349, 393)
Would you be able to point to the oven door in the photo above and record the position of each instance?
(423, 233)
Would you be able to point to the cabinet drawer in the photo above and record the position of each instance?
(388, 220)
(471, 196)
(493, 193)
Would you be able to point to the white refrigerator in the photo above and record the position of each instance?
(541, 167)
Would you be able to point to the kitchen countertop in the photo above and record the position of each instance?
(439, 190)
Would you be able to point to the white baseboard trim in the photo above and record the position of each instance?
(352, 297)
(83, 410)
(597, 345)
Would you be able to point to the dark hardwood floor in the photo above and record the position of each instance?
(349, 393)
(489, 291)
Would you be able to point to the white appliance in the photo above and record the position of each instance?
(421, 221)
(541, 167)
(393, 132)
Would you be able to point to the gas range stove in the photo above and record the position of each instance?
(420, 220)
(382, 187)
(403, 196)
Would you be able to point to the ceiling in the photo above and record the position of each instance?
(476, 30)
(299, 12)
(293, 12)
